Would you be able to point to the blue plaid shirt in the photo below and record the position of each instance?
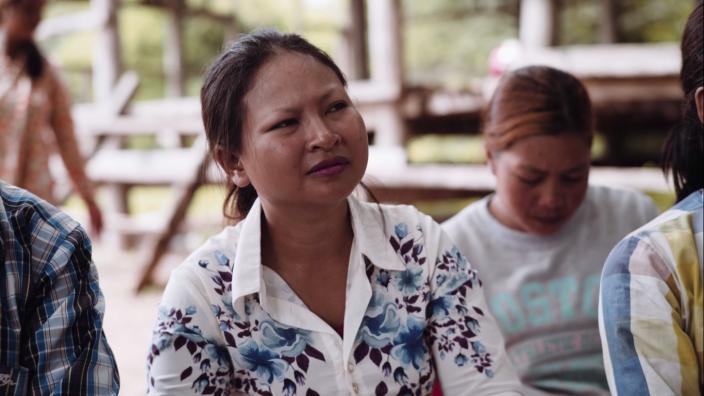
(51, 308)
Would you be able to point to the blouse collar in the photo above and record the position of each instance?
(370, 240)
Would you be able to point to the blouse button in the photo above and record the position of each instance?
(350, 367)
(355, 387)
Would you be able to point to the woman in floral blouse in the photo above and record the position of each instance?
(35, 112)
(314, 292)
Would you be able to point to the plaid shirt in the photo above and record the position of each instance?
(651, 312)
(51, 309)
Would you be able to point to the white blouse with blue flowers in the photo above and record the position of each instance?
(229, 325)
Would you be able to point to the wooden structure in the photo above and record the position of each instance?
(391, 110)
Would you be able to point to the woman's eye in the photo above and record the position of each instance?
(531, 181)
(284, 124)
(337, 106)
(572, 179)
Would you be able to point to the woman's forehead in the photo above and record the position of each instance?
(288, 76)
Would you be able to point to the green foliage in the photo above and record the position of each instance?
(448, 42)
(202, 41)
(639, 21)
(142, 34)
(653, 21)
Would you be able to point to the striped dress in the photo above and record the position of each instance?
(651, 304)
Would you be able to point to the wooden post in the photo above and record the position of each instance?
(173, 49)
(357, 36)
(386, 54)
(537, 26)
(107, 65)
(608, 26)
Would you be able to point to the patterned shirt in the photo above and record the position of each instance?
(51, 309)
(651, 306)
(35, 119)
(415, 310)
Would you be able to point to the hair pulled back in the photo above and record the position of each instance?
(684, 145)
(227, 82)
(536, 100)
(33, 58)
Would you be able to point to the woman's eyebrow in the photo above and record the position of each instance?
(529, 168)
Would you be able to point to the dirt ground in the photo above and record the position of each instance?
(129, 317)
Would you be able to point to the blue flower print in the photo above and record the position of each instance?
(383, 278)
(441, 306)
(460, 360)
(472, 324)
(222, 259)
(409, 281)
(284, 340)
(217, 354)
(261, 361)
(409, 344)
(459, 258)
(456, 280)
(440, 279)
(378, 331)
(478, 347)
(401, 230)
(289, 387)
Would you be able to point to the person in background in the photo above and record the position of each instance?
(35, 112)
(51, 308)
(651, 307)
(541, 238)
(314, 292)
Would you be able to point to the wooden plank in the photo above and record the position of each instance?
(174, 166)
(129, 125)
(147, 167)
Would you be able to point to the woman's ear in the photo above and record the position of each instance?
(490, 160)
(699, 102)
(239, 175)
(232, 163)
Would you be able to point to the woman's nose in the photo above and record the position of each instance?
(552, 196)
(322, 137)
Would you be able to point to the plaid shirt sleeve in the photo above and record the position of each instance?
(51, 311)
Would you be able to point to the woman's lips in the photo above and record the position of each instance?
(550, 220)
(329, 167)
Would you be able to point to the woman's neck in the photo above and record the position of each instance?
(306, 237)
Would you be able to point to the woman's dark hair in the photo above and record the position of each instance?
(684, 145)
(536, 100)
(33, 58)
(227, 82)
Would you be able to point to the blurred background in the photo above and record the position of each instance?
(420, 72)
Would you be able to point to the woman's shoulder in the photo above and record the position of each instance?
(618, 196)
(208, 269)
(622, 203)
(467, 219)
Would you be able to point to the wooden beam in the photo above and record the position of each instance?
(357, 36)
(192, 11)
(538, 23)
(608, 23)
(107, 64)
(173, 49)
(386, 54)
(64, 24)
